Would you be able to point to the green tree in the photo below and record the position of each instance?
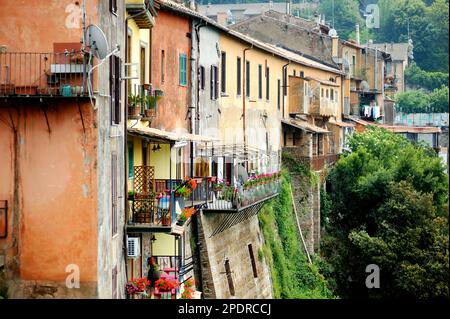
(413, 101)
(390, 208)
(419, 78)
(345, 14)
(439, 100)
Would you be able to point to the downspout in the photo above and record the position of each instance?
(244, 94)
(284, 71)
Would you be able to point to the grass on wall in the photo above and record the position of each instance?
(292, 276)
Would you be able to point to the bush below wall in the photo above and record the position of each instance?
(292, 276)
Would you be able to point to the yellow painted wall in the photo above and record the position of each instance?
(164, 245)
(139, 38)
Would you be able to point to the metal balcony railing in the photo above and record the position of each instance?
(25, 74)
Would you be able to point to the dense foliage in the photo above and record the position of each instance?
(389, 207)
(419, 101)
(292, 275)
(416, 77)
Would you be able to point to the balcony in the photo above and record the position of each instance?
(239, 197)
(143, 103)
(155, 203)
(24, 74)
(142, 11)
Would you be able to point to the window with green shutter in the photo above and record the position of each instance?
(183, 69)
(130, 159)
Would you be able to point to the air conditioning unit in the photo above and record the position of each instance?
(133, 247)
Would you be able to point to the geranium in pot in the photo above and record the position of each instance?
(165, 287)
(186, 213)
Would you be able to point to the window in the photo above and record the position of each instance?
(332, 95)
(130, 159)
(223, 73)
(326, 93)
(143, 66)
(238, 76)
(114, 193)
(113, 6)
(201, 77)
(114, 88)
(285, 81)
(322, 93)
(335, 95)
(260, 81)
(183, 69)
(252, 259)
(229, 278)
(279, 94)
(163, 61)
(114, 282)
(302, 74)
(267, 84)
(247, 78)
(293, 73)
(214, 82)
(353, 65)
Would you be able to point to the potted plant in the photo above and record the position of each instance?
(136, 286)
(133, 105)
(186, 213)
(150, 102)
(188, 291)
(131, 195)
(165, 286)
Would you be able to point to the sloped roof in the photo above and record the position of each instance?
(398, 51)
(303, 125)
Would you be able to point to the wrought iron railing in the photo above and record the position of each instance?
(42, 74)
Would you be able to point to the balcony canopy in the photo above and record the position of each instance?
(168, 137)
(305, 126)
(142, 13)
(341, 124)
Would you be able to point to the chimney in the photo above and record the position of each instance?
(334, 46)
(358, 37)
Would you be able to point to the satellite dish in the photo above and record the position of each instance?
(241, 173)
(96, 41)
(332, 33)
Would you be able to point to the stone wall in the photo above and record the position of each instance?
(232, 244)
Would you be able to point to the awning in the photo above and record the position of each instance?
(341, 124)
(157, 134)
(303, 125)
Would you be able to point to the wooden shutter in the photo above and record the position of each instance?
(211, 79)
(238, 76)
(114, 282)
(114, 193)
(117, 93)
(216, 88)
(224, 72)
(267, 84)
(112, 83)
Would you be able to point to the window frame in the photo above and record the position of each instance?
(182, 69)
(223, 72)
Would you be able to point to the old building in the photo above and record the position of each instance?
(62, 145)
(402, 55)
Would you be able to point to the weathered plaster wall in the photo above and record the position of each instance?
(52, 219)
(232, 244)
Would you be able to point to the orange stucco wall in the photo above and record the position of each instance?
(58, 26)
(57, 188)
(170, 34)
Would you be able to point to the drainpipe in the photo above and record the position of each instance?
(284, 71)
(244, 93)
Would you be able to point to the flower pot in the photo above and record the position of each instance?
(133, 111)
(149, 113)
